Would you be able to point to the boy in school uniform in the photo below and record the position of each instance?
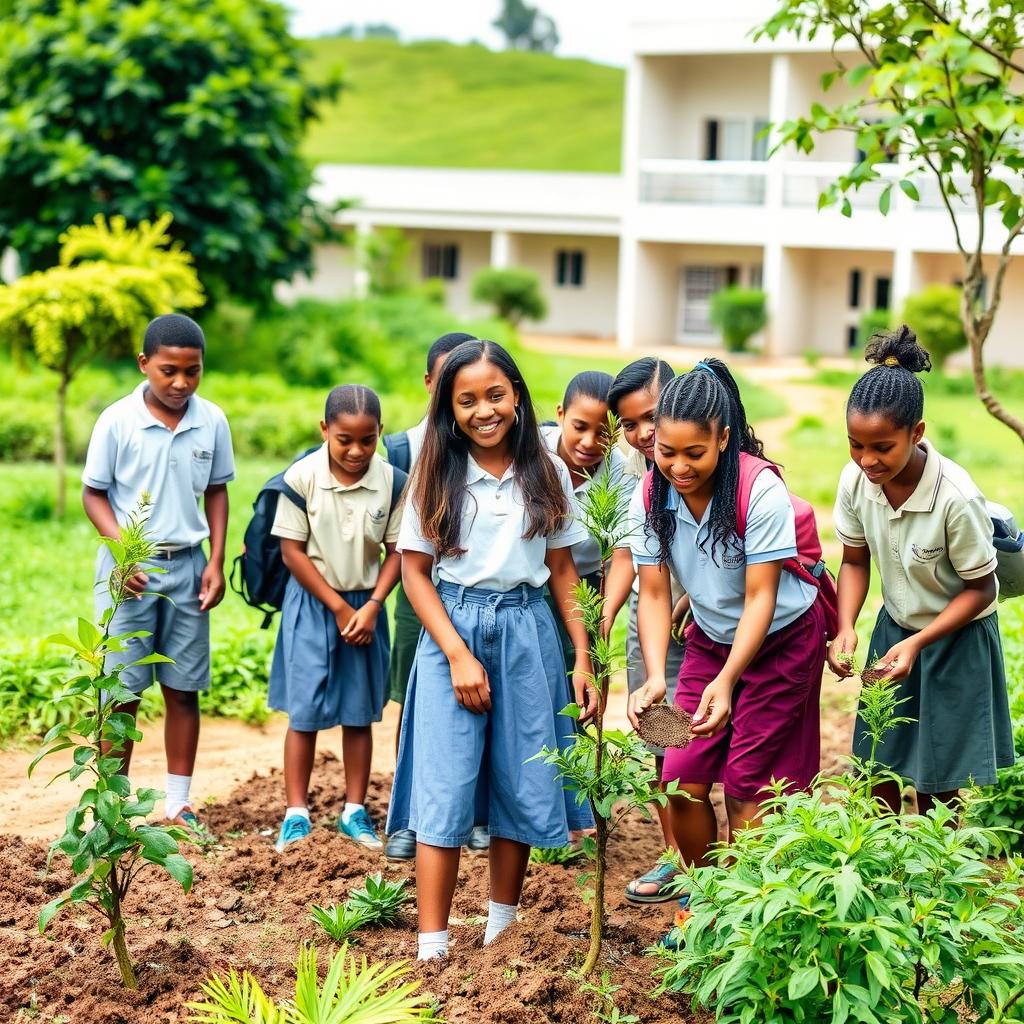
(165, 440)
(403, 451)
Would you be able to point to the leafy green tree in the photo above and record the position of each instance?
(739, 313)
(938, 82)
(514, 292)
(110, 282)
(106, 845)
(526, 28)
(873, 321)
(385, 254)
(934, 314)
(141, 107)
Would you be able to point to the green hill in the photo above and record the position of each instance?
(435, 104)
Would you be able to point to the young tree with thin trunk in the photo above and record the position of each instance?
(936, 96)
(111, 281)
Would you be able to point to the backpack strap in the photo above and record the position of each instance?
(399, 452)
(750, 468)
(398, 482)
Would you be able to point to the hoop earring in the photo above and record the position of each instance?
(516, 416)
(455, 431)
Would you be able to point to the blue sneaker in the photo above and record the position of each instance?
(360, 830)
(293, 828)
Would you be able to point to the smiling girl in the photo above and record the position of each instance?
(923, 521)
(751, 673)
(489, 511)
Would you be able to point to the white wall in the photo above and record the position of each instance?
(589, 309)
(333, 276)
(805, 71)
(474, 253)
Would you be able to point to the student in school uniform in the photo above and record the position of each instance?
(490, 510)
(330, 662)
(751, 672)
(166, 441)
(633, 397)
(579, 439)
(403, 452)
(922, 521)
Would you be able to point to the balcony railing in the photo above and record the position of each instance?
(703, 182)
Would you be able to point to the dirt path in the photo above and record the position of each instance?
(229, 752)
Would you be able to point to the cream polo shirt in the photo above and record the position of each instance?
(498, 556)
(344, 525)
(926, 548)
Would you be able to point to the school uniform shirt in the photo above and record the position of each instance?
(131, 452)
(416, 436)
(718, 591)
(344, 525)
(587, 553)
(939, 537)
(498, 556)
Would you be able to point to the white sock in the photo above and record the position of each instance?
(177, 798)
(432, 944)
(296, 812)
(499, 917)
(351, 809)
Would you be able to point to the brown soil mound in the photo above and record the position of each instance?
(249, 909)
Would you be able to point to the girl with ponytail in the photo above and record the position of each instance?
(924, 523)
(751, 672)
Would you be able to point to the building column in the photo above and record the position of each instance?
(906, 277)
(10, 266)
(501, 249)
(778, 105)
(625, 319)
(361, 278)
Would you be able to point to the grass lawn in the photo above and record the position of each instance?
(435, 104)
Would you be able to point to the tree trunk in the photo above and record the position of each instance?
(60, 454)
(124, 961)
(597, 907)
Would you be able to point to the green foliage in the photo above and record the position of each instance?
(353, 992)
(933, 97)
(525, 27)
(514, 292)
(873, 321)
(385, 254)
(239, 672)
(432, 103)
(831, 908)
(106, 848)
(195, 108)
(934, 314)
(604, 1008)
(739, 313)
(562, 855)
(379, 902)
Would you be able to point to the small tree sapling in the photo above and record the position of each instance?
(107, 849)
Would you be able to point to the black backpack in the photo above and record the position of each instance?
(259, 575)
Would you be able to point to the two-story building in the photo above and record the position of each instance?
(699, 205)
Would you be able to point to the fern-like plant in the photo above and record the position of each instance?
(341, 920)
(380, 899)
(353, 992)
(556, 855)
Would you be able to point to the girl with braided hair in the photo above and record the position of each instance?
(925, 524)
(751, 673)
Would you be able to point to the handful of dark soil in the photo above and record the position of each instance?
(665, 725)
(872, 675)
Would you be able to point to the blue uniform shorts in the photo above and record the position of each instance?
(456, 767)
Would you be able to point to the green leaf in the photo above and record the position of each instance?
(885, 199)
(878, 968)
(802, 982)
(88, 634)
(50, 911)
(847, 885)
(571, 711)
(910, 189)
(156, 843)
(180, 870)
(152, 659)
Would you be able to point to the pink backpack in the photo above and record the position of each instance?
(808, 565)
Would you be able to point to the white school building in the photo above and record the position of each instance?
(699, 205)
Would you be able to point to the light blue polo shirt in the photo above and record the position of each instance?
(717, 591)
(131, 451)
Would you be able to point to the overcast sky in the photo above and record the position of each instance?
(588, 28)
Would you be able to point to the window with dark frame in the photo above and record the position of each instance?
(853, 292)
(570, 267)
(441, 260)
(883, 292)
(851, 336)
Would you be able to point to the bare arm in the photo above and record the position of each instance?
(617, 586)
(562, 585)
(854, 580)
(100, 513)
(760, 595)
(300, 565)
(654, 624)
(212, 588)
(469, 679)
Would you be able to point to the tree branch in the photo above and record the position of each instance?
(973, 40)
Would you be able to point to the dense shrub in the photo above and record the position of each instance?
(514, 292)
(934, 314)
(739, 313)
(873, 321)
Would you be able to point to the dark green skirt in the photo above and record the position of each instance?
(956, 695)
(407, 635)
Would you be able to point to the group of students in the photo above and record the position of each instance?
(485, 537)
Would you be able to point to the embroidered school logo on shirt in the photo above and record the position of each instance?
(926, 554)
(202, 454)
(377, 515)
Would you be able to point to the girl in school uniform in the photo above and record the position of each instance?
(330, 662)
(751, 673)
(579, 439)
(490, 509)
(633, 397)
(920, 518)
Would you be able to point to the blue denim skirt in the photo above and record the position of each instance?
(318, 678)
(457, 768)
